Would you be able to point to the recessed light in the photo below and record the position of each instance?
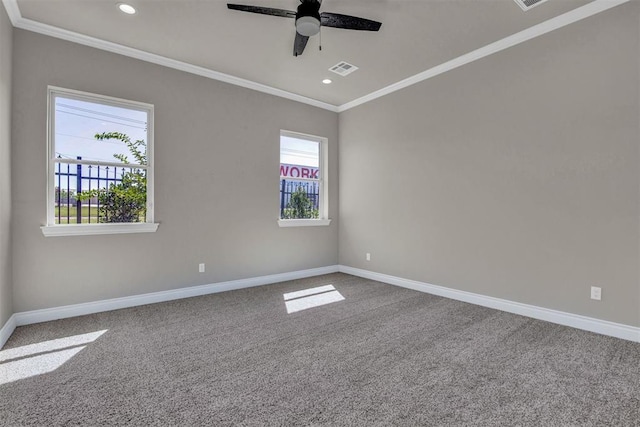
(126, 8)
(326, 81)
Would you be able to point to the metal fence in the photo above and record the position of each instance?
(70, 178)
(288, 187)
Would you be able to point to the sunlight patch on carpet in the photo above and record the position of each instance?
(309, 298)
(43, 357)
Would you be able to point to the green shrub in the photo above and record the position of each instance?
(124, 201)
(300, 207)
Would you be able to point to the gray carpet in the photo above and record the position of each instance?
(383, 356)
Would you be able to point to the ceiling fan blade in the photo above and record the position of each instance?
(299, 44)
(347, 22)
(263, 10)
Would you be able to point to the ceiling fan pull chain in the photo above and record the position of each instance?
(309, 20)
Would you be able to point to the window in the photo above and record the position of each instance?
(100, 165)
(303, 195)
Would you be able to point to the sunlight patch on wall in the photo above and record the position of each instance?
(40, 358)
(309, 298)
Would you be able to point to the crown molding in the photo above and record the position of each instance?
(13, 11)
(545, 27)
(48, 30)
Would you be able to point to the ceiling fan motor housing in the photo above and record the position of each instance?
(308, 18)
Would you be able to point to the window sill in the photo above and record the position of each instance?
(93, 229)
(303, 222)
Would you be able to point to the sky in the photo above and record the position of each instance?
(77, 122)
(301, 152)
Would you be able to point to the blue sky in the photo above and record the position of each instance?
(77, 122)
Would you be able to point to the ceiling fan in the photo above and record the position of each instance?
(309, 19)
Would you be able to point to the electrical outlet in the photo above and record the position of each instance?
(368, 257)
(201, 267)
(596, 293)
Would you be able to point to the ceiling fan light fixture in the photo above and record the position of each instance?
(307, 26)
(309, 20)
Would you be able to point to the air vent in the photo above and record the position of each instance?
(343, 68)
(528, 4)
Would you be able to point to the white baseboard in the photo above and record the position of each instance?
(7, 330)
(603, 327)
(48, 314)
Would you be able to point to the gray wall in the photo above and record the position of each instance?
(6, 37)
(516, 176)
(216, 179)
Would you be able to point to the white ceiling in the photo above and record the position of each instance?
(416, 35)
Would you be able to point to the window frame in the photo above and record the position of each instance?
(323, 160)
(53, 229)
